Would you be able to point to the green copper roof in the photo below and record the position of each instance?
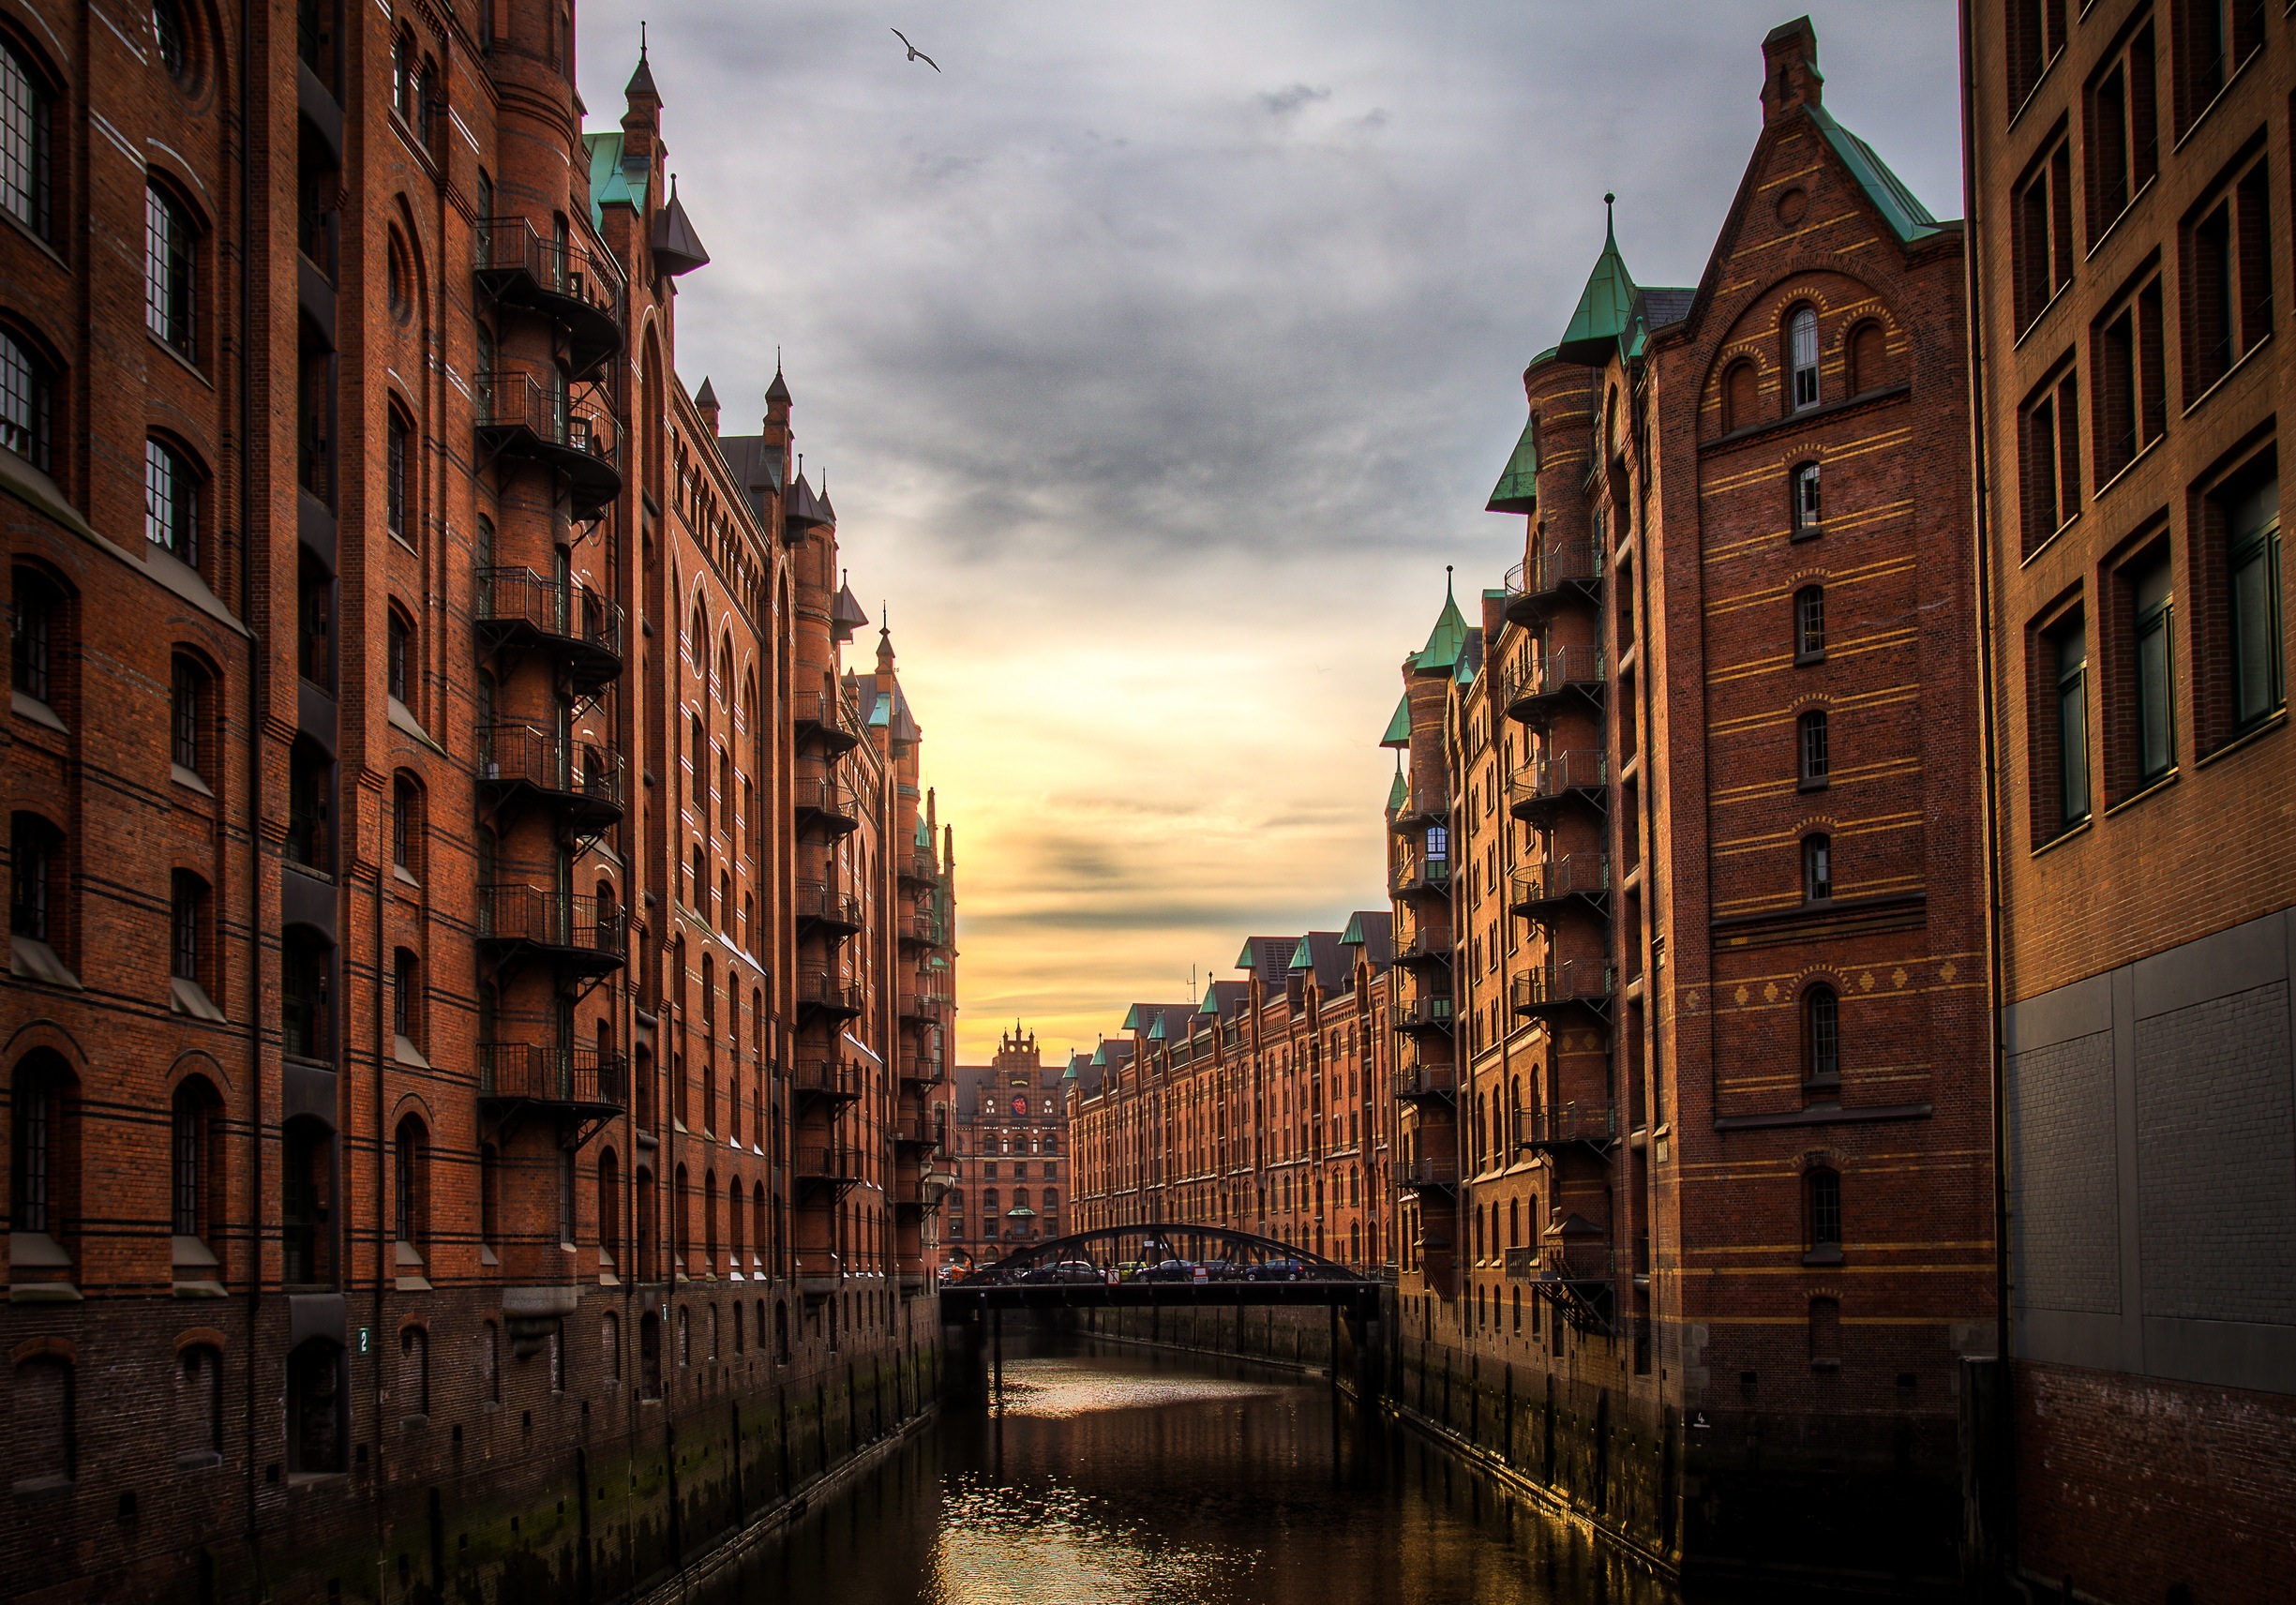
(1885, 189)
(1156, 1031)
(1399, 793)
(1301, 959)
(1132, 1018)
(1399, 728)
(1100, 1053)
(1517, 491)
(1606, 307)
(1207, 1006)
(1353, 935)
(1446, 639)
(609, 181)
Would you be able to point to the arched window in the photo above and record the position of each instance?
(398, 633)
(407, 826)
(1810, 623)
(1802, 356)
(398, 483)
(26, 399)
(410, 1183)
(310, 775)
(681, 1223)
(1821, 1034)
(1822, 1202)
(38, 883)
(40, 1151)
(194, 1142)
(709, 1221)
(698, 648)
(171, 503)
(1818, 868)
(198, 1407)
(169, 302)
(724, 668)
(1813, 748)
(41, 1429)
(758, 1222)
(1741, 397)
(406, 73)
(188, 711)
(24, 113)
(171, 36)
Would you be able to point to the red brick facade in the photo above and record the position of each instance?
(479, 959)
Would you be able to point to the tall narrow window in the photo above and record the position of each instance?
(2252, 551)
(307, 806)
(1823, 1187)
(2041, 231)
(489, 1195)
(189, 1145)
(395, 655)
(168, 269)
(1809, 622)
(186, 912)
(1815, 748)
(2049, 424)
(395, 487)
(1825, 1333)
(2071, 647)
(1801, 336)
(407, 995)
(25, 391)
(1821, 1034)
(23, 140)
(171, 503)
(303, 959)
(187, 713)
(35, 854)
(1818, 868)
(2036, 34)
(1809, 508)
(407, 1164)
(2123, 136)
(406, 827)
(35, 610)
(2153, 638)
(36, 1119)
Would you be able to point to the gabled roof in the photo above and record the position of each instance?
(1907, 217)
(1301, 959)
(1268, 957)
(1148, 1017)
(1399, 725)
(1375, 927)
(1445, 642)
(755, 467)
(1517, 491)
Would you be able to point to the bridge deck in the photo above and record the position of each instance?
(960, 1301)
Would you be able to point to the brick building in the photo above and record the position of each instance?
(1003, 1167)
(502, 1029)
(2130, 219)
(1263, 1108)
(1694, 1144)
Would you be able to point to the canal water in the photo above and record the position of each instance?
(1116, 1475)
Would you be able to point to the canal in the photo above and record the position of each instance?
(1116, 1475)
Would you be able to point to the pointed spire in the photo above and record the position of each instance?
(779, 389)
(884, 644)
(1605, 313)
(640, 86)
(1449, 639)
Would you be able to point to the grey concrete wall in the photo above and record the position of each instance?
(2151, 1164)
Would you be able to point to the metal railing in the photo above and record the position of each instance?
(827, 796)
(1422, 1012)
(1548, 673)
(819, 900)
(825, 1078)
(1554, 565)
(527, 755)
(1570, 982)
(1546, 778)
(1549, 1124)
(1426, 1080)
(567, 609)
(822, 711)
(824, 990)
(1426, 944)
(1573, 874)
(918, 866)
(835, 1163)
(546, 1073)
(1523, 1265)
(556, 267)
(1425, 1172)
(548, 409)
(1578, 1262)
(572, 920)
(1415, 872)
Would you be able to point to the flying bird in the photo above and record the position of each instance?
(914, 53)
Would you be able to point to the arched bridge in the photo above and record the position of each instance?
(1158, 1265)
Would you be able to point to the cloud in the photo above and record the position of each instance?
(1161, 356)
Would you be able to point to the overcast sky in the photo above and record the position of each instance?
(1159, 357)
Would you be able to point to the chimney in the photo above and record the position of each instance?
(1790, 69)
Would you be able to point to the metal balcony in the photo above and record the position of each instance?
(1554, 989)
(833, 1082)
(1540, 888)
(1578, 1276)
(533, 418)
(1421, 1016)
(825, 907)
(580, 934)
(920, 1129)
(580, 1086)
(924, 1070)
(1426, 1175)
(1421, 808)
(821, 993)
(520, 266)
(1426, 946)
(925, 1000)
(581, 781)
(917, 867)
(820, 717)
(826, 804)
(1557, 573)
(516, 607)
(1540, 682)
(1415, 1082)
(1554, 1126)
(1421, 876)
(1577, 774)
(923, 930)
(832, 1169)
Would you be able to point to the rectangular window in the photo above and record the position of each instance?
(2151, 639)
(2252, 560)
(2050, 426)
(2071, 653)
(2212, 38)
(167, 269)
(184, 927)
(1816, 755)
(2036, 34)
(1818, 868)
(2129, 408)
(2123, 129)
(2041, 229)
(1810, 623)
(1809, 508)
(2228, 279)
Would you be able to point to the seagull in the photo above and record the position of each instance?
(914, 53)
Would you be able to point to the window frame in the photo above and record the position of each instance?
(170, 269)
(1810, 624)
(1814, 749)
(1802, 320)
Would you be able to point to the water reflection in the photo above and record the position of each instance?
(1119, 1476)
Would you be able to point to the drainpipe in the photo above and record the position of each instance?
(258, 677)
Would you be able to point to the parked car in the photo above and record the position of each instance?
(1222, 1270)
(1170, 1271)
(1067, 1271)
(1276, 1271)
